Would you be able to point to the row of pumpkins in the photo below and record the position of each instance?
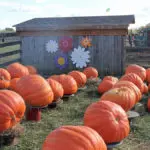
(22, 85)
(105, 121)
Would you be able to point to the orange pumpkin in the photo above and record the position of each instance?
(17, 70)
(90, 72)
(32, 69)
(145, 89)
(108, 119)
(12, 109)
(35, 90)
(148, 75)
(134, 78)
(4, 78)
(68, 82)
(105, 85)
(13, 83)
(74, 138)
(130, 85)
(54, 77)
(111, 78)
(140, 71)
(57, 88)
(122, 96)
(79, 77)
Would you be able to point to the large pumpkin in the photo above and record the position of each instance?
(140, 71)
(4, 78)
(79, 77)
(68, 82)
(12, 109)
(13, 83)
(122, 96)
(108, 119)
(17, 70)
(90, 72)
(35, 90)
(32, 69)
(57, 88)
(105, 85)
(111, 78)
(130, 85)
(74, 138)
(134, 78)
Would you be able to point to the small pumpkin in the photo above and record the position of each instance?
(108, 119)
(74, 138)
(68, 82)
(132, 86)
(35, 90)
(4, 78)
(134, 78)
(122, 96)
(105, 85)
(90, 72)
(32, 69)
(12, 109)
(134, 68)
(13, 83)
(56, 88)
(17, 70)
(79, 77)
(111, 78)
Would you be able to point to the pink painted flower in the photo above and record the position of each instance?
(65, 44)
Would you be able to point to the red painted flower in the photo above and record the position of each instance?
(65, 44)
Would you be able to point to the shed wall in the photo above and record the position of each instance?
(106, 54)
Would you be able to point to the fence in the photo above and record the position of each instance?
(9, 48)
(138, 55)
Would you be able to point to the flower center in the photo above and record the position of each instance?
(65, 44)
(61, 61)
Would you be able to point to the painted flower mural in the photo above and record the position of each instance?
(86, 42)
(65, 44)
(80, 57)
(61, 61)
(51, 46)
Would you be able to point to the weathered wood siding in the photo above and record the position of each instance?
(107, 54)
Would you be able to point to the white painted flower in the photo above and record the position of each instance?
(80, 57)
(51, 46)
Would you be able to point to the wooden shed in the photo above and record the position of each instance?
(59, 45)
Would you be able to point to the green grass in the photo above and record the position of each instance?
(71, 112)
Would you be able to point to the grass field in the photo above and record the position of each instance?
(71, 112)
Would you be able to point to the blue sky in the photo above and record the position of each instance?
(16, 11)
